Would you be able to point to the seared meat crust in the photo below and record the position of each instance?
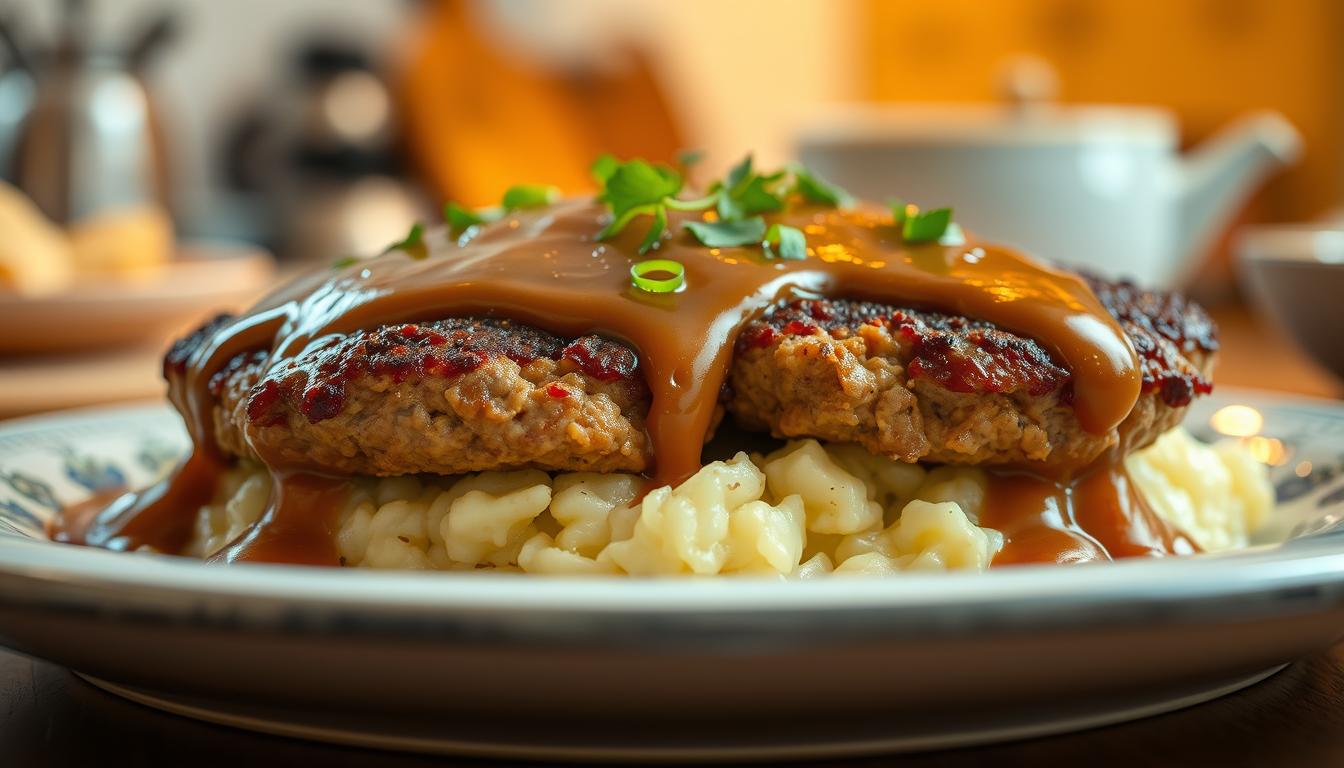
(925, 386)
(460, 395)
(449, 396)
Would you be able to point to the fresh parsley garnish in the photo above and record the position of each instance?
(925, 226)
(460, 219)
(656, 230)
(638, 188)
(521, 196)
(746, 193)
(346, 261)
(637, 184)
(728, 234)
(603, 167)
(898, 210)
(516, 198)
(788, 242)
(814, 189)
(635, 188)
(413, 244)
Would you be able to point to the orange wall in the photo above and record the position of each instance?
(1207, 59)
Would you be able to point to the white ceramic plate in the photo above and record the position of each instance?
(673, 669)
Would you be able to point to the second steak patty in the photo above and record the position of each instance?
(461, 395)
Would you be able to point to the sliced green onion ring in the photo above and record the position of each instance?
(640, 270)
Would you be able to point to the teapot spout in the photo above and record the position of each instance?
(1219, 175)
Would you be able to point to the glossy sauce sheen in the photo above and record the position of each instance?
(1098, 516)
(546, 268)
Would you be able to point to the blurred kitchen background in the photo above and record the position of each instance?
(163, 153)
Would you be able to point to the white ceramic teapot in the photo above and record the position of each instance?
(1103, 187)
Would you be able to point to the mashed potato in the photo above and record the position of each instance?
(1218, 494)
(803, 511)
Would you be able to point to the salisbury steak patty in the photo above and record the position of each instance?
(448, 396)
(941, 388)
(461, 395)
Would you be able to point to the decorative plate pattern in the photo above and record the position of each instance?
(50, 462)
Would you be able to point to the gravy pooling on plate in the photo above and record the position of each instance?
(547, 267)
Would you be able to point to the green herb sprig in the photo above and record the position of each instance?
(814, 189)
(925, 226)
(413, 244)
(728, 234)
(516, 198)
(632, 189)
(636, 188)
(788, 242)
(460, 219)
(521, 196)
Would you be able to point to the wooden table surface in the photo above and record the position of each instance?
(50, 717)
(1255, 355)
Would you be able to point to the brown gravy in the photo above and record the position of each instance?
(546, 268)
(1097, 516)
(299, 524)
(157, 516)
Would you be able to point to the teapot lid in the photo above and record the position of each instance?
(991, 124)
(1026, 114)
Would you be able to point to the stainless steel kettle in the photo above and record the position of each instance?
(91, 137)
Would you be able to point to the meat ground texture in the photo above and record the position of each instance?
(444, 397)
(462, 395)
(925, 386)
